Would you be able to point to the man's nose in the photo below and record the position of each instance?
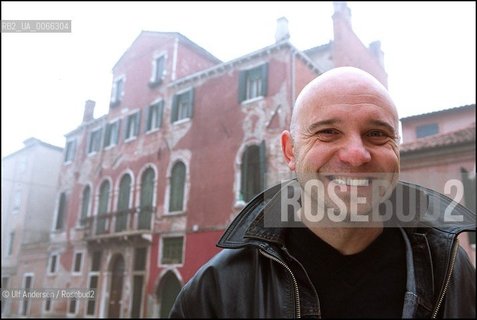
(354, 152)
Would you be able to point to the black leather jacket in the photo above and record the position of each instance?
(255, 277)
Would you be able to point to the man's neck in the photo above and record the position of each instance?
(346, 240)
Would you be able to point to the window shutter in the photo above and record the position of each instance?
(242, 86)
(191, 102)
(244, 175)
(125, 128)
(177, 185)
(160, 112)
(61, 212)
(148, 119)
(138, 123)
(264, 77)
(174, 111)
(124, 193)
(160, 69)
(118, 128)
(263, 164)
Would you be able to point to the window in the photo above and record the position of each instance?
(117, 92)
(177, 184)
(70, 151)
(132, 126)
(93, 285)
(172, 248)
(157, 70)
(182, 106)
(52, 268)
(60, 217)
(146, 199)
(103, 207)
(27, 285)
(139, 267)
(94, 141)
(85, 201)
(17, 200)
(140, 255)
(111, 136)
(138, 281)
(78, 261)
(96, 261)
(123, 203)
(11, 241)
(93, 280)
(154, 116)
(72, 307)
(48, 304)
(427, 130)
(252, 172)
(253, 83)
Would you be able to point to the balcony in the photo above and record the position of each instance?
(125, 223)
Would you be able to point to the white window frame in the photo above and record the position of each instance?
(128, 136)
(161, 248)
(116, 96)
(155, 77)
(73, 272)
(57, 261)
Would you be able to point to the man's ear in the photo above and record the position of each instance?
(288, 149)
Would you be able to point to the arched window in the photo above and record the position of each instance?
(177, 184)
(252, 171)
(146, 199)
(123, 203)
(85, 205)
(102, 207)
(167, 292)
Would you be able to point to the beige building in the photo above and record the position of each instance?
(29, 180)
(438, 152)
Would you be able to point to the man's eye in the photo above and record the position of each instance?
(327, 134)
(377, 136)
(376, 133)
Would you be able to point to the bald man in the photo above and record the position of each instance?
(338, 250)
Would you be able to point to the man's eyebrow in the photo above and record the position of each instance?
(314, 126)
(378, 123)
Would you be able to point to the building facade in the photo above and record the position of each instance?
(29, 181)
(146, 190)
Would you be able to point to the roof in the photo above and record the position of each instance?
(453, 138)
(319, 48)
(450, 110)
(33, 142)
(223, 67)
(177, 35)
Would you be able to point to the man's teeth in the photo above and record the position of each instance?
(351, 182)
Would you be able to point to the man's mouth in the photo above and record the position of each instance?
(348, 181)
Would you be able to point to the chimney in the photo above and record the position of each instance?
(88, 110)
(375, 49)
(282, 32)
(31, 141)
(342, 11)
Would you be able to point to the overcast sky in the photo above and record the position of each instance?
(429, 51)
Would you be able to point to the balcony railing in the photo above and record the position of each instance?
(123, 222)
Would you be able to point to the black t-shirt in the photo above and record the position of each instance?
(369, 284)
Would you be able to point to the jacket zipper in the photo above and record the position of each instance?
(446, 284)
(295, 283)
